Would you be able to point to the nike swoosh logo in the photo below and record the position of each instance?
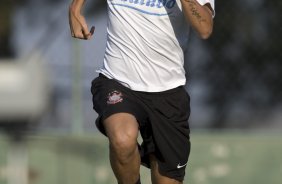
(180, 166)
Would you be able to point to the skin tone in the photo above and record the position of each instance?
(122, 128)
(122, 131)
(78, 26)
(200, 17)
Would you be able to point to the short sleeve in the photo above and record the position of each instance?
(211, 2)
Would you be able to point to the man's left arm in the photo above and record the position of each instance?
(200, 17)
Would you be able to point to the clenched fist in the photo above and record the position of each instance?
(78, 25)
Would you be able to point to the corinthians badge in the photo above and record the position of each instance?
(114, 97)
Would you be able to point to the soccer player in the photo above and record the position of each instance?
(140, 86)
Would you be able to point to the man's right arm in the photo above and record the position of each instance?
(78, 25)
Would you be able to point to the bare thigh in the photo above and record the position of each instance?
(121, 127)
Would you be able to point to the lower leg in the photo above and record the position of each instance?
(127, 169)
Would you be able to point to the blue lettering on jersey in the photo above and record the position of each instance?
(138, 4)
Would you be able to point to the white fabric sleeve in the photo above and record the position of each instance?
(211, 2)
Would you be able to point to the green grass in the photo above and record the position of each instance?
(236, 158)
(216, 158)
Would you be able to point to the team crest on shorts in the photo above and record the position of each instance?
(114, 97)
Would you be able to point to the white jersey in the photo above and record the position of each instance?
(145, 44)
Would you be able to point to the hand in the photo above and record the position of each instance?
(78, 26)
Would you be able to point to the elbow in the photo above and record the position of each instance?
(205, 30)
(205, 34)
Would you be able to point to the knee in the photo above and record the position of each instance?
(122, 131)
(123, 142)
(123, 146)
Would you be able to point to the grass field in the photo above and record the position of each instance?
(216, 158)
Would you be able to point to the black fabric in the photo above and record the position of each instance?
(162, 117)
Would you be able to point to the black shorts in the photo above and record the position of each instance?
(162, 117)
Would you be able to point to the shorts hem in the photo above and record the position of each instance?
(172, 175)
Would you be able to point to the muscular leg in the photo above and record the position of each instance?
(157, 178)
(122, 131)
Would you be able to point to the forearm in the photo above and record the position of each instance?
(76, 6)
(199, 17)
